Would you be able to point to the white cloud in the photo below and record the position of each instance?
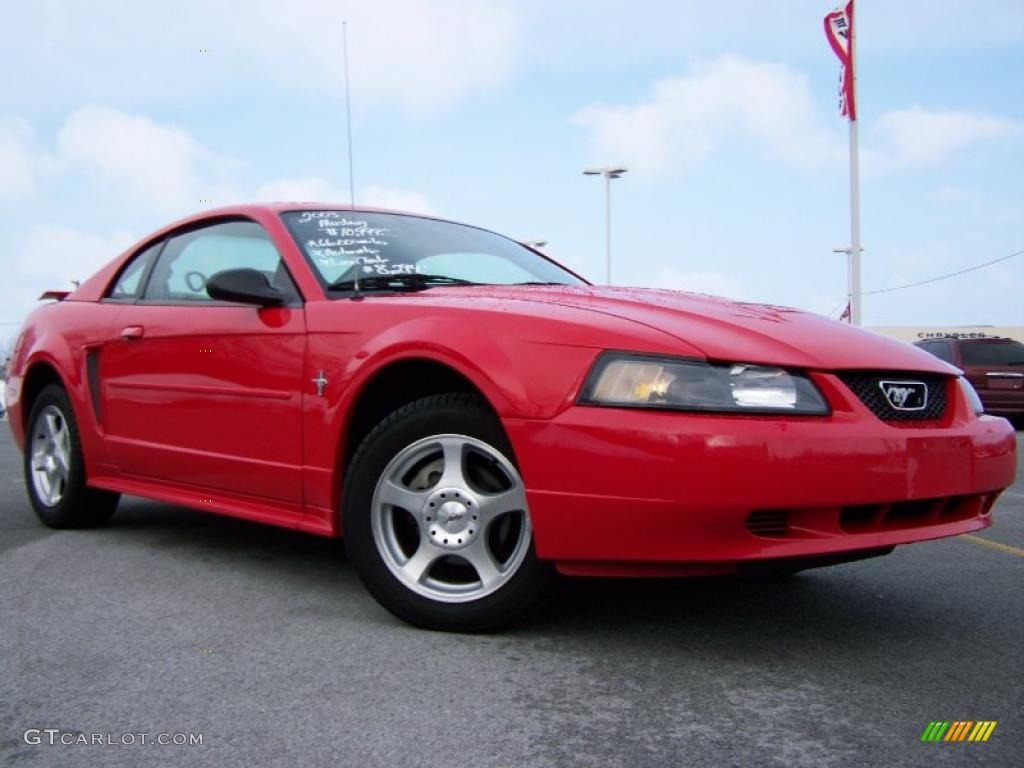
(699, 281)
(17, 162)
(723, 100)
(50, 257)
(169, 171)
(956, 194)
(606, 35)
(422, 54)
(59, 254)
(984, 296)
(398, 199)
(917, 137)
(300, 189)
(319, 189)
(161, 165)
(735, 100)
(419, 54)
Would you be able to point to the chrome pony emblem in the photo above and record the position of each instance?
(905, 395)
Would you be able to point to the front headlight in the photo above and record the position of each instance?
(972, 396)
(670, 383)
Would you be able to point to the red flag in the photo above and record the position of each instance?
(839, 31)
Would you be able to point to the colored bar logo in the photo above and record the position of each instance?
(959, 730)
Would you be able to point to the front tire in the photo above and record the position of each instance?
(435, 517)
(55, 468)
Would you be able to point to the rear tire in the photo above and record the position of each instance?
(55, 467)
(435, 520)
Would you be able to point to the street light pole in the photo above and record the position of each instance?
(609, 173)
(608, 229)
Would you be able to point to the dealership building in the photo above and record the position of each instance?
(913, 333)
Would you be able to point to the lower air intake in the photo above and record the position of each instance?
(768, 522)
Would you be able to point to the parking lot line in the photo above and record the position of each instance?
(994, 545)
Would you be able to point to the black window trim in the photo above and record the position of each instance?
(298, 302)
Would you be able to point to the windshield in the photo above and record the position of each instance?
(993, 353)
(344, 244)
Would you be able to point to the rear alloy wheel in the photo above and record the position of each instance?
(54, 467)
(436, 519)
(50, 456)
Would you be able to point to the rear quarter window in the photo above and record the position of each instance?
(129, 282)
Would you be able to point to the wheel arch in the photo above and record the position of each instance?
(393, 384)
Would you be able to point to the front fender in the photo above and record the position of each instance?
(506, 370)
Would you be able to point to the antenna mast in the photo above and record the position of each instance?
(348, 124)
(348, 118)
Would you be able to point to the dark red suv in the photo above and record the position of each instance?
(994, 366)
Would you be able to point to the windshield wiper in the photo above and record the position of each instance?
(538, 282)
(414, 281)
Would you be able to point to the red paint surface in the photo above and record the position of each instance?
(216, 403)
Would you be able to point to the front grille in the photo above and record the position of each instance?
(867, 386)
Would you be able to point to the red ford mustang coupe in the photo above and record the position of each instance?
(468, 414)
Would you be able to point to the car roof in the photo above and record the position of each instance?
(91, 289)
(988, 340)
(253, 209)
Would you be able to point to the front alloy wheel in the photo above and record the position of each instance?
(436, 519)
(449, 518)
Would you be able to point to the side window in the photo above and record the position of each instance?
(189, 260)
(941, 350)
(129, 281)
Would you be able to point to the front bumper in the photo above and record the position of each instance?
(620, 491)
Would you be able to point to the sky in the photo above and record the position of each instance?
(119, 117)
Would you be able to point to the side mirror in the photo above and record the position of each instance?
(247, 286)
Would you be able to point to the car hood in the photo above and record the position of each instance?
(727, 330)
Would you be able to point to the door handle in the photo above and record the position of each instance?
(132, 332)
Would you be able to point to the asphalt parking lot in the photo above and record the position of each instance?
(263, 641)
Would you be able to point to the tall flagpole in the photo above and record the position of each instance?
(840, 29)
(855, 292)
